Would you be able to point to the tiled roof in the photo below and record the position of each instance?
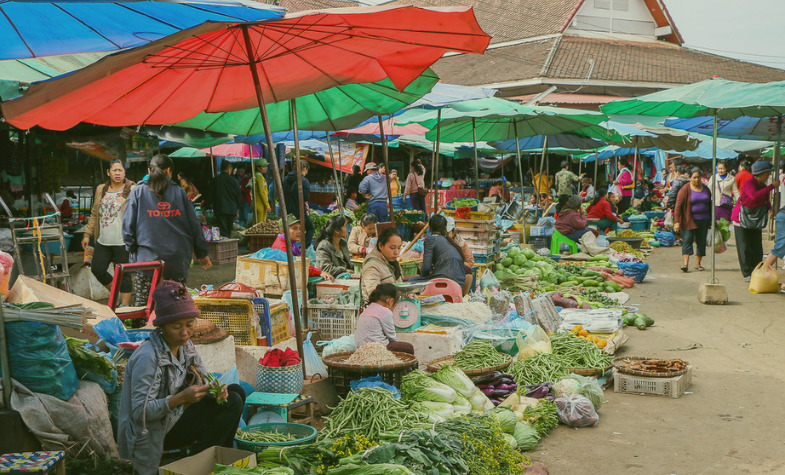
(301, 5)
(561, 98)
(508, 20)
(659, 62)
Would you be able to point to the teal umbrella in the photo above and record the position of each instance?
(187, 152)
(718, 98)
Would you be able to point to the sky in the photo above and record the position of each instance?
(750, 30)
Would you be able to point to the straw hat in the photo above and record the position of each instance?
(205, 332)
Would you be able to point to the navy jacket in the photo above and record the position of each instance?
(165, 228)
(225, 193)
(290, 193)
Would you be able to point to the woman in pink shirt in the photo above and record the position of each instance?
(375, 324)
(754, 195)
(624, 180)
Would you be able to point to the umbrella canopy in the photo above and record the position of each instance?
(220, 67)
(33, 29)
(371, 131)
(744, 127)
(336, 108)
(188, 152)
(454, 150)
(235, 150)
(445, 94)
(570, 141)
(644, 137)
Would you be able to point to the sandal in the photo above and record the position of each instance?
(685, 269)
(700, 268)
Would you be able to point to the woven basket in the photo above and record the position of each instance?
(283, 380)
(343, 374)
(439, 363)
(596, 372)
(619, 361)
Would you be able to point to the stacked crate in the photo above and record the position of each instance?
(482, 236)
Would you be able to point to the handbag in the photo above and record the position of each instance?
(422, 192)
(753, 218)
(726, 201)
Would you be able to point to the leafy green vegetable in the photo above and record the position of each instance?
(506, 418)
(461, 405)
(456, 379)
(363, 469)
(418, 386)
(542, 417)
(438, 411)
(478, 354)
(526, 436)
(510, 440)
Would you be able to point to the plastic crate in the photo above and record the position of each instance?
(640, 226)
(223, 251)
(260, 241)
(484, 258)
(535, 231)
(326, 289)
(279, 327)
(410, 268)
(471, 215)
(237, 316)
(669, 387)
(538, 242)
(333, 321)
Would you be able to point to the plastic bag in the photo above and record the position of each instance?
(716, 240)
(230, 377)
(313, 364)
(576, 411)
(310, 253)
(590, 388)
(533, 342)
(338, 345)
(374, 382)
(112, 331)
(668, 221)
(269, 254)
(488, 280)
(39, 359)
(764, 280)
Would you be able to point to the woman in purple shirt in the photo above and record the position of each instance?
(692, 217)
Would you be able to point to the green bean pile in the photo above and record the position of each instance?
(579, 353)
(539, 368)
(478, 354)
(264, 436)
(370, 411)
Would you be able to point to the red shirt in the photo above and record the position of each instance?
(742, 177)
(601, 210)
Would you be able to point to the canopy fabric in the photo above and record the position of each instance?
(235, 150)
(454, 150)
(16, 74)
(371, 131)
(428, 116)
(34, 29)
(645, 137)
(745, 128)
(206, 68)
(558, 141)
(729, 99)
(444, 94)
(187, 137)
(611, 151)
(188, 152)
(337, 108)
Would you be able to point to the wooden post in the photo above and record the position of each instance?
(386, 169)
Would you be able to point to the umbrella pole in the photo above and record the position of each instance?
(520, 172)
(713, 194)
(435, 198)
(542, 165)
(279, 188)
(777, 197)
(301, 202)
(596, 166)
(476, 160)
(386, 168)
(338, 197)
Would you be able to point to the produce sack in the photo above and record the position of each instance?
(313, 364)
(338, 345)
(716, 240)
(488, 280)
(577, 384)
(764, 280)
(533, 342)
(39, 359)
(576, 411)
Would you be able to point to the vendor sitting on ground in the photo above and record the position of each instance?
(467, 253)
(442, 257)
(572, 220)
(332, 253)
(295, 234)
(165, 402)
(381, 266)
(360, 237)
(601, 209)
(375, 323)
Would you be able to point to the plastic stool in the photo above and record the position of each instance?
(558, 239)
(449, 288)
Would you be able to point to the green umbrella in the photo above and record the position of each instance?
(187, 152)
(719, 98)
(337, 108)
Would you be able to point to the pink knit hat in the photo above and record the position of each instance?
(173, 303)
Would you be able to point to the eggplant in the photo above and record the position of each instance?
(486, 386)
(496, 402)
(502, 392)
(488, 392)
(507, 381)
(538, 393)
(487, 378)
(508, 376)
(507, 387)
(550, 398)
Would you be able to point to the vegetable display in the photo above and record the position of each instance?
(542, 416)
(270, 226)
(264, 436)
(579, 353)
(418, 386)
(496, 386)
(638, 320)
(539, 368)
(372, 354)
(479, 354)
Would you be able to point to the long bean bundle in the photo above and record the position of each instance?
(370, 411)
(539, 368)
(264, 436)
(579, 353)
(478, 354)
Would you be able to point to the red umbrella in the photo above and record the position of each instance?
(239, 150)
(208, 67)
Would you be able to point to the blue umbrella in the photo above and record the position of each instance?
(31, 28)
(537, 142)
(744, 127)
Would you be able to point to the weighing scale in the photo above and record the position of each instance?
(406, 315)
(271, 407)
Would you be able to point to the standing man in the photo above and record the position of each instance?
(292, 199)
(226, 197)
(262, 198)
(565, 179)
(374, 189)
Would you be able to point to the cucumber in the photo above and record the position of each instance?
(609, 288)
(590, 283)
(567, 284)
(616, 287)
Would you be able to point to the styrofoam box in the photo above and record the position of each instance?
(431, 346)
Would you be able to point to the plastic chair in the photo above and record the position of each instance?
(120, 271)
(558, 239)
(449, 288)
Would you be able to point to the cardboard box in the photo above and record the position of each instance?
(204, 462)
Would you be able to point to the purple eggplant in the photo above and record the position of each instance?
(506, 387)
(486, 386)
(488, 392)
(550, 398)
(496, 402)
(506, 381)
(487, 378)
(502, 392)
(538, 393)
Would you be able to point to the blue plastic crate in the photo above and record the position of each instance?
(261, 307)
(484, 258)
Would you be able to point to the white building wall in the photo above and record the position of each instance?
(630, 17)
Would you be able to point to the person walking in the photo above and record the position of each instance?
(106, 227)
(750, 216)
(682, 179)
(743, 174)
(332, 252)
(374, 189)
(262, 202)
(692, 217)
(566, 180)
(726, 192)
(226, 198)
(624, 180)
(415, 186)
(293, 202)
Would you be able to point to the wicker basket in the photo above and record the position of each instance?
(439, 363)
(619, 361)
(260, 241)
(342, 374)
(593, 372)
(303, 433)
(282, 380)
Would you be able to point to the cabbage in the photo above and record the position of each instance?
(461, 405)
(526, 436)
(566, 387)
(510, 440)
(513, 251)
(479, 401)
(520, 259)
(507, 262)
(441, 410)
(418, 386)
(456, 379)
(506, 418)
(513, 268)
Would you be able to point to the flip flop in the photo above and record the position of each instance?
(700, 268)
(685, 269)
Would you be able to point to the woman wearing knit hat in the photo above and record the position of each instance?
(166, 402)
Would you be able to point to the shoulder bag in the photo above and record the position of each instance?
(753, 218)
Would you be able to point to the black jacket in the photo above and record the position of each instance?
(225, 194)
(290, 193)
